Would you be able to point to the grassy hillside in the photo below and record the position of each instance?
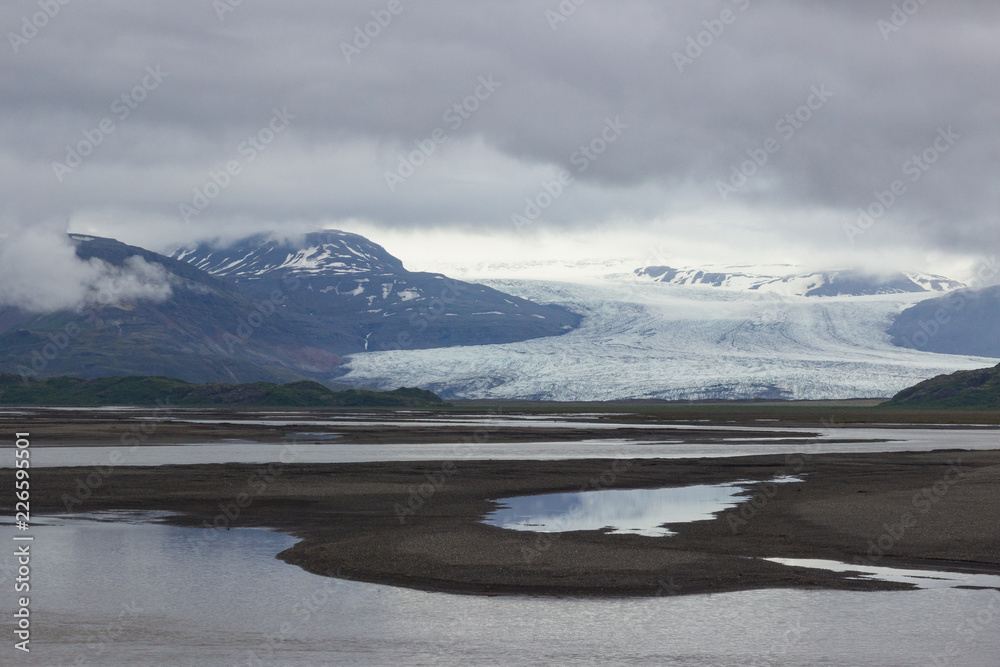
(975, 390)
(140, 391)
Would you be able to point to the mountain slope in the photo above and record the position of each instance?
(195, 334)
(262, 311)
(345, 293)
(978, 389)
(964, 322)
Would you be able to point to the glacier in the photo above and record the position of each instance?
(647, 340)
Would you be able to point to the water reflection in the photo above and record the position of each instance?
(118, 594)
(919, 578)
(636, 511)
(861, 440)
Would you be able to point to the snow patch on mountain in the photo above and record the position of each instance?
(328, 253)
(818, 283)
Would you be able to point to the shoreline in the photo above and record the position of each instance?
(349, 520)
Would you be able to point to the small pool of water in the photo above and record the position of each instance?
(633, 511)
(919, 578)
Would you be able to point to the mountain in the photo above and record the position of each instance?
(194, 334)
(963, 322)
(978, 389)
(818, 284)
(138, 391)
(347, 294)
(264, 311)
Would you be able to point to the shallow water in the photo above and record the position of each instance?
(120, 594)
(831, 440)
(920, 578)
(636, 511)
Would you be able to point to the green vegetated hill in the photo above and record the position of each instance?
(136, 390)
(979, 389)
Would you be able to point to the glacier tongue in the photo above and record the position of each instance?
(654, 340)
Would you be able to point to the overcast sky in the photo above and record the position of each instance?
(626, 123)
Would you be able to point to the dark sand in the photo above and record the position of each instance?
(113, 428)
(348, 516)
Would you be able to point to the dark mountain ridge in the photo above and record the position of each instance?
(265, 310)
(341, 284)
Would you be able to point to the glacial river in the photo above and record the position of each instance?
(125, 590)
(126, 593)
(309, 447)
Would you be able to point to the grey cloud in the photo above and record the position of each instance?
(40, 272)
(686, 130)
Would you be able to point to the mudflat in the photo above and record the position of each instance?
(102, 427)
(420, 524)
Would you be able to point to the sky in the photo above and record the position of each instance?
(838, 133)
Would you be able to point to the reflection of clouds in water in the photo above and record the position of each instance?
(214, 606)
(639, 511)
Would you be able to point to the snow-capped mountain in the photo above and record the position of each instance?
(281, 310)
(331, 253)
(199, 332)
(265, 310)
(818, 284)
(641, 339)
(350, 294)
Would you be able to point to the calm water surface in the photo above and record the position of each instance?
(637, 511)
(320, 450)
(129, 592)
(114, 593)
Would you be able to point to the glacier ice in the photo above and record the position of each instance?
(647, 340)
